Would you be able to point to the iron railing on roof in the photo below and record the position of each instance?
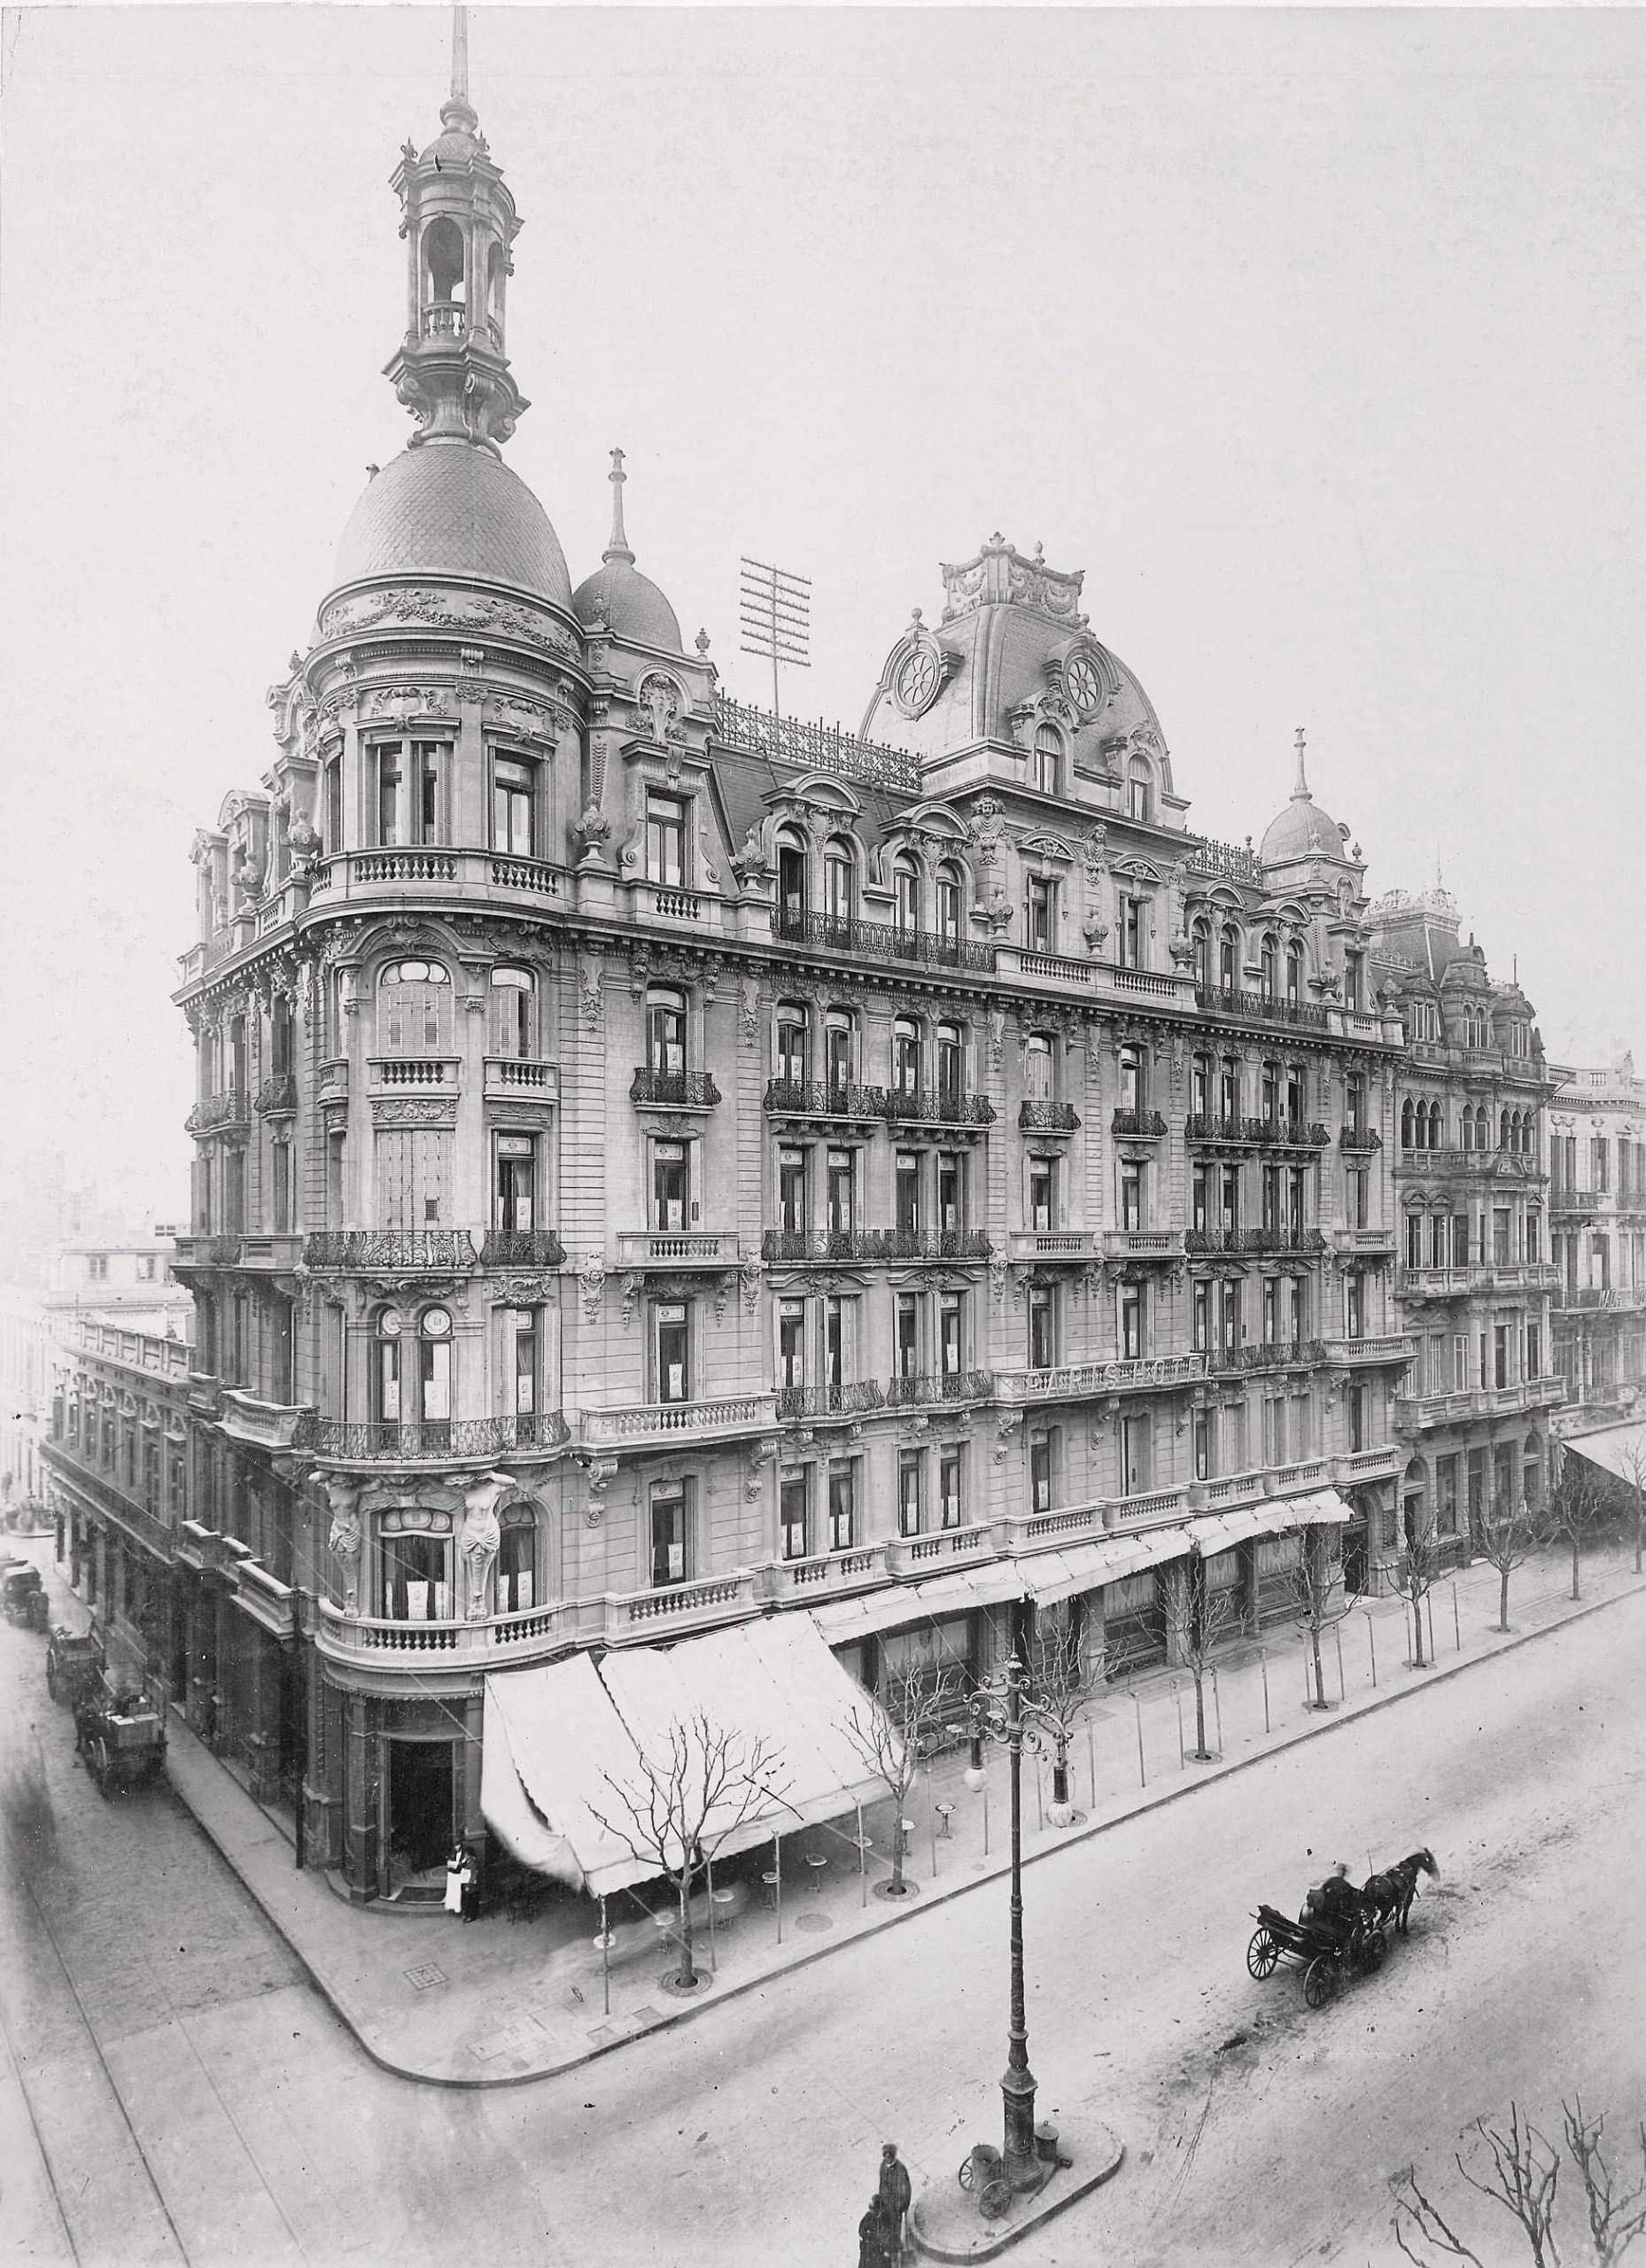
(816, 747)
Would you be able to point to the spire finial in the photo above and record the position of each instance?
(1300, 793)
(460, 55)
(619, 548)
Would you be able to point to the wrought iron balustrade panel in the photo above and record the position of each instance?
(925, 1391)
(1259, 1007)
(1138, 1125)
(935, 1106)
(850, 1398)
(522, 1248)
(391, 1442)
(823, 1098)
(441, 1249)
(690, 1090)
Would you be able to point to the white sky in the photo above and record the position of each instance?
(1315, 339)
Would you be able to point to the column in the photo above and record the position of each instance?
(359, 1798)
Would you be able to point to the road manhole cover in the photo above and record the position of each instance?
(813, 1921)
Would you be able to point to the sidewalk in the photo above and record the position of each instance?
(497, 2002)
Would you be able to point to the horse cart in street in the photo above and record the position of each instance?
(1326, 1947)
(23, 1597)
(74, 1664)
(122, 1736)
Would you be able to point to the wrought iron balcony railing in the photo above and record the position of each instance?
(216, 1112)
(388, 1442)
(927, 1388)
(850, 1398)
(822, 1099)
(935, 1106)
(389, 1249)
(1040, 1117)
(1282, 1354)
(875, 1243)
(1258, 1007)
(1138, 1125)
(1255, 1133)
(1197, 1242)
(819, 747)
(882, 941)
(277, 1096)
(688, 1089)
(1363, 1139)
(522, 1248)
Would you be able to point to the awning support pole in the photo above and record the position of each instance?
(863, 1860)
(777, 1862)
(931, 1822)
(605, 1956)
(708, 1883)
(1091, 1765)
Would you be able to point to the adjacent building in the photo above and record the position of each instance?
(659, 1164)
(1597, 1197)
(1477, 1267)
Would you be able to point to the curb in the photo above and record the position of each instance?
(934, 1897)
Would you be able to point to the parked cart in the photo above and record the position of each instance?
(122, 1738)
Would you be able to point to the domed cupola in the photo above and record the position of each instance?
(633, 611)
(1303, 830)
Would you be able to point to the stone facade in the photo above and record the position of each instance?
(1598, 1152)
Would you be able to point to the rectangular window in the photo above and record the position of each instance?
(1500, 1354)
(1202, 1318)
(1231, 1329)
(1229, 1088)
(791, 1188)
(1131, 1208)
(906, 1193)
(841, 1210)
(280, 1174)
(951, 1192)
(671, 1352)
(520, 1334)
(950, 1333)
(1133, 933)
(950, 1466)
(333, 804)
(1360, 1198)
(1295, 1204)
(416, 1584)
(1041, 921)
(1199, 1201)
(1357, 1417)
(1535, 1249)
(1042, 1194)
(1135, 1445)
(516, 1571)
(1131, 1323)
(909, 1493)
(840, 1340)
(516, 1182)
(1500, 1236)
(1229, 1199)
(1414, 1239)
(1354, 1101)
(670, 1185)
(791, 1047)
(1203, 1467)
(1271, 1197)
(1274, 1429)
(1272, 1311)
(1355, 1304)
(1534, 1352)
(1042, 1337)
(671, 1540)
(512, 807)
(791, 1343)
(1297, 1310)
(794, 1512)
(841, 1507)
(665, 841)
(1040, 1474)
(907, 1335)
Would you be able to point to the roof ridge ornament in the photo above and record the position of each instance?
(457, 110)
(1300, 793)
(619, 548)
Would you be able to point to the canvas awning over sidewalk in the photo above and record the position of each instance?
(1618, 1449)
(562, 1739)
(1277, 1516)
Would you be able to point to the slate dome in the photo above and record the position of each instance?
(453, 512)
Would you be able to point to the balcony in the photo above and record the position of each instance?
(274, 1255)
(882, 941)
(521, 1079)
(822, 1099)
(226, 1113)
(1047, 1118)
(1052, 1245)
(935, 1106)
(1079, 1381)
(262, 1424)
(522, 1248)
(502, 1640)
(1361, 1465)
(825, 1574)
(1143, 1244)
(1366, 1244)
(643, 1424)
(1441, 1283)
(1208, 1130)
(927, 1390)
(331, 1080)
(793, 1246)
(1017, 1533)
(266, 1598)
(423, 1074)
(814, 748)
(931, 1555)
(677, 1248)
(1138, 1125)
(1364, 1354)
(388, 1251)
(276, 1097)
(452, 1440)
(1502, 1164)
(848, 1398)
(645, 1618)
(1148, 1509)
(1199, 1243)
(674, 1090)
(1281, 1354)
(387, 875)
(1415, 1411)
(1596, 1299)
(1258, 1007)
(1359, 1140)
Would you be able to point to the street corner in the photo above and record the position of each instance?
(949, 2221)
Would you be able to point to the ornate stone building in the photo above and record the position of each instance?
(659, 1164)
(1598, 1152)
(1476, 1266)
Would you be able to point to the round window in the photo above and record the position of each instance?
(436, 1323)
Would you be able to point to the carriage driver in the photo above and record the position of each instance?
(1333, 1900)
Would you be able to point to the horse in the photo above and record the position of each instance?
(1388, 1897)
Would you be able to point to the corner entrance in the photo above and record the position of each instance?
(421, 1825)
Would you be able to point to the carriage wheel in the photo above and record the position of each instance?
(101, 1764)
(965, 2175)
(1262, 1954)
(1376, 1950)
(1320, 1981)
(996, 2201)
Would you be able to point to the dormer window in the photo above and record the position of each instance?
(1048, 758)
(791, 880)
(839, 881)
(948, 901)
(1229, 958)
(1268, 970)
(1139, 791)
(665, 841)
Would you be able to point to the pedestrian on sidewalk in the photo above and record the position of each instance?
(895, 2193)
(874, 2238)
(460, 1882)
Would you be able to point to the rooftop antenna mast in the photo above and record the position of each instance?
(774, 611)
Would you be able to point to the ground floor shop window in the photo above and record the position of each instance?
(946, 1649)
(1134, 1622)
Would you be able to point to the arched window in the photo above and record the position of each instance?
(443, 284)
(1200, 936)
(1133, 1091)
(1437, 1127)
(791, 1051)
(510, 1006)
(951, 1060)
(950, 897)
(905, 882)
(1294, 972)
(280, 1037)
(791, 884)
(1505, 1139)
(1229, 958)
(496, 270)
(1037, 1066)
(1139, 790)
(840, 1049)
(666, 1028)
(1048, 758)
(1405, 1124)
(840, 885)
(415, 1009)
(1269, 968)
(1468, 1128)
(905, 1056)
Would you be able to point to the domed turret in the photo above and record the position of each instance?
(451, 511)
(1302, 830)
(630, 604)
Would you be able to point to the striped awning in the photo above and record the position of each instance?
(1052, 1575)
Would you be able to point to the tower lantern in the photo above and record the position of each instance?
(459, 220)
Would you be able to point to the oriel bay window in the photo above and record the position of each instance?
(514, 1207)
(670, 1533)
(414, 1566)
(665, 840)
(841, 1505)
(910, 1464)
(411, 786)
(670, 1177)
(671, 1351)
(513, 783)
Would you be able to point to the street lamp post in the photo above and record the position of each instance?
(1002, 1711)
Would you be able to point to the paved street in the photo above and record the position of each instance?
(194, 2099)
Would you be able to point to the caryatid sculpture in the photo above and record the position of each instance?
(345, 1538)
(480, 1537)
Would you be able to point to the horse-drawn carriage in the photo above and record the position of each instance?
(121, 1735)
(73, 1664)
(1342, 1931)
(22, 1595)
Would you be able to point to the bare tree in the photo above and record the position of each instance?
(892, 1736)
(1318, 1597)
(1414, 1577)
(1521, 2175)
(1197, 1617)
(1506, 1541)
(1633, 1463)
(1577, 1507)
(1062, 1678)
(686, 1803)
